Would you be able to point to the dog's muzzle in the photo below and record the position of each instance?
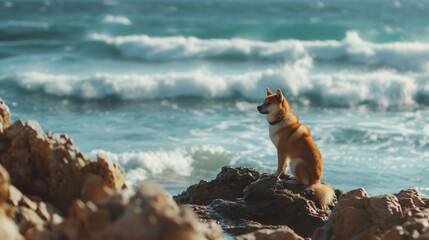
(261, 110)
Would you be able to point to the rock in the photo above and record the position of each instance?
(8, 228)
(27, 219)
(416, 226)
(4, 116)
(28, 203)
(20, 209)
(410, 199)
(233, 226)
(15, 196)
(40, 233)
(358, 216)
(50, 167)
(266, 203)
(16, 199)
(4, 185)
(271, 234)
(148, 214)
(43, 211)
(228, 185)
(269, 201)
(105, 182)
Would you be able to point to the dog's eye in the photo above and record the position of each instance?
(268, 103)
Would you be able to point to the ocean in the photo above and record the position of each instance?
(169, 89)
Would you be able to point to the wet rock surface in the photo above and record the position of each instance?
(228, 185)
(267, 203)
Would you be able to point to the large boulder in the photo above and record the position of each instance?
(357, 216)
(50, 167)
(228, 185)
(273, 202)
(150, 213)
(265, 203)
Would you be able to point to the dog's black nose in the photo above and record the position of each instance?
(258, 107)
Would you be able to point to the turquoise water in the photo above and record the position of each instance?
(169, 89)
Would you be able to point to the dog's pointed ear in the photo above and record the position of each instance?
(279, 94)
(269, 92)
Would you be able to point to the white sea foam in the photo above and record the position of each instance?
(401, 55)
(381, 88)
(117, 19)
(141, 165)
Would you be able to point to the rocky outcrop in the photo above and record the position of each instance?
(228, 185)
(49, 190)
(266, 203)
(150, 213)
(401, 216)
(50, 166)
(269, 208)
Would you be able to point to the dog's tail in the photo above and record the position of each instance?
(324, 193)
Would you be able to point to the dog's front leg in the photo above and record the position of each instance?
(281, 164)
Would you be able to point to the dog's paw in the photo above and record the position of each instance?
(277, 176)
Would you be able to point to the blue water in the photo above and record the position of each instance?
(169, 89)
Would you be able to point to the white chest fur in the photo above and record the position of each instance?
(288, 120)
(273, 136)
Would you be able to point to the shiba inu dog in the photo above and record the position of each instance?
(295, 146)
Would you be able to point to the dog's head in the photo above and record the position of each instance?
(274, 103)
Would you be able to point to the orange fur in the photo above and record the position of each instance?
(295, 146)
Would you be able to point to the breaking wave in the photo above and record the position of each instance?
(381, 88)
(400, 55)
(184, 162)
